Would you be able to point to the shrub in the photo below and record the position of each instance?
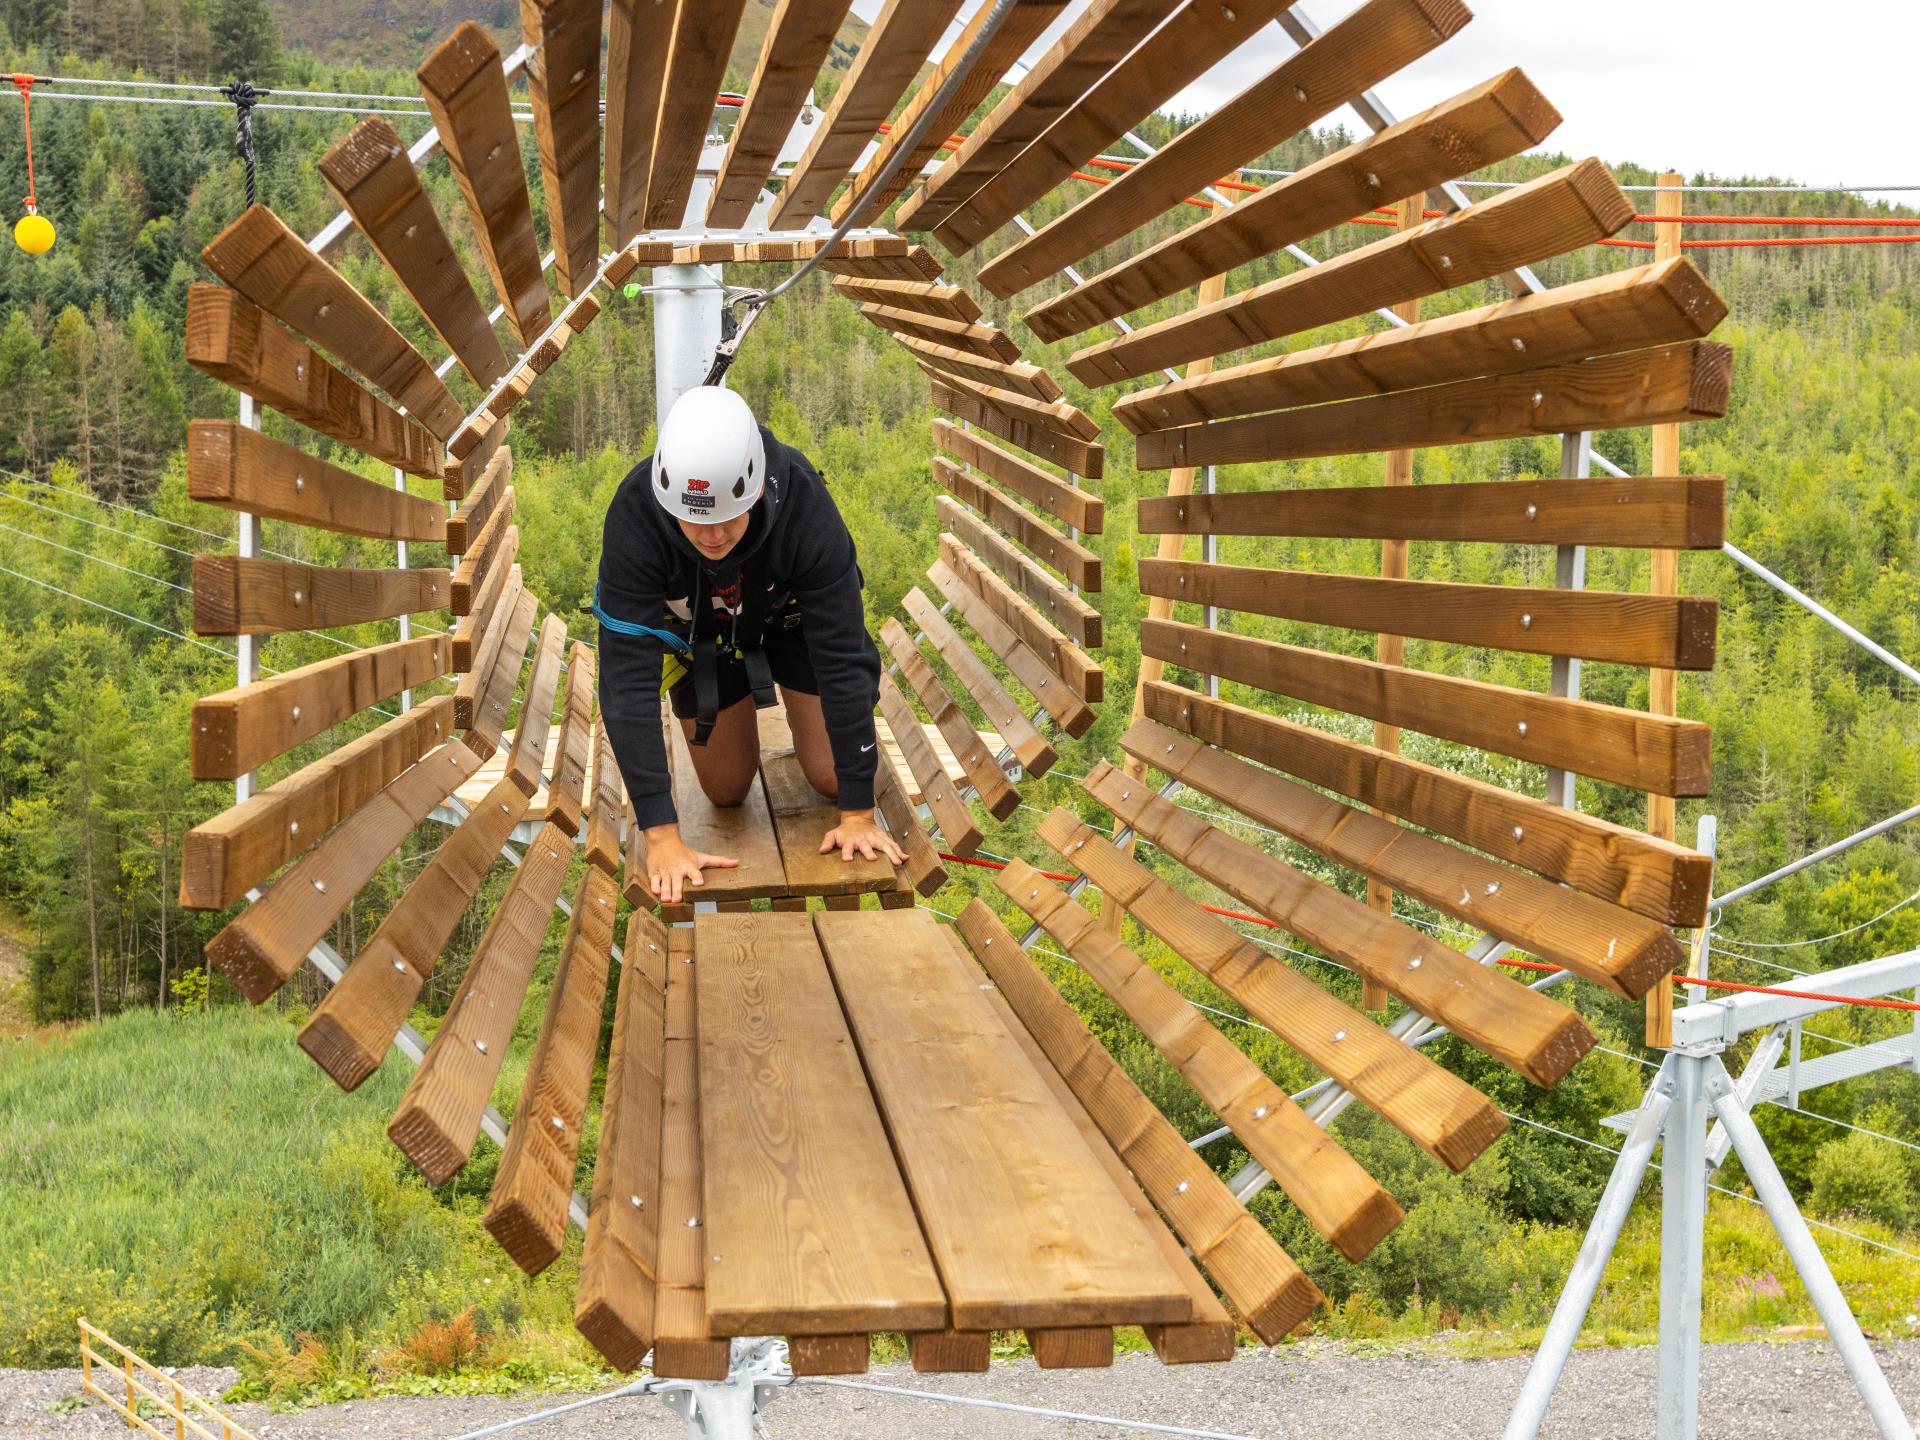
(1861, 1175)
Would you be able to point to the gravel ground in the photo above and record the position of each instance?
(1325, 1391)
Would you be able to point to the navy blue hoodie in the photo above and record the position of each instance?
(796, 545)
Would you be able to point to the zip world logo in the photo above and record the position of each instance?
(699, 486)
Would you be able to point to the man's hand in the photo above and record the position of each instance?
(858, 834)
(672, 865)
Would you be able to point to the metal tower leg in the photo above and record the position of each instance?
(1683, 1225)
(727, 1409)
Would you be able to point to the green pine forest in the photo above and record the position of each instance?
(170, 1164)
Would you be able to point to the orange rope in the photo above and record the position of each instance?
(24, 83)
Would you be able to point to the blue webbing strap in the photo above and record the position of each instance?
(636, 630)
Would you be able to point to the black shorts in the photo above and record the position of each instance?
(785, 643)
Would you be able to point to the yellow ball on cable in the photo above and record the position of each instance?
(33, 234)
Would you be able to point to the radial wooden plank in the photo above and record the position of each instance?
(1261, 1280)
(527, 762)
(466, 524)
(1630, 310)
(917, 265)
(1342, 1201)
(466, 92)
(898, 43)
(266, 262)
(468, 461)
(573, 752)
(639, 40)
(1620, 626)
(439, 1115)
(1090, 47)
(1490, 122)
(1077, 618)
(608, 806)
(224, 857)
(987, 341)
(977, 761)
(1079, 508)
(808, 1226)
(1683, 512)
(231, 339)
(483, 555)
(1625, 952)
(1078, 670)
(1608, 742)
(372, 177)
(1033, 752)
(1561, 211)
(354, 1024)
(1024, 1224)
(1018, 30)
(1017, 376)
(563, 82)
(267, 942)
(801, 818)
(702, 43)
(950, 813)
(233, 595)
(495, 698)
(1072, 559)
(619, 1263)
(800, 34)
(1037, 433)
(1370, 44)
(469, 635)
(944, 302)
(1668, 385)
(743, 832)
(527, 1206)
(1193, 39)
(237, 468)
(241, 729)
(1069, 711)
(923, 869)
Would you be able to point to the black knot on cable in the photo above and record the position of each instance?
(244, 97)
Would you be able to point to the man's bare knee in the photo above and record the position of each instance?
(727, 794)
(826, 782)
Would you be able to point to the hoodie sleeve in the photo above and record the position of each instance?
(631, 588)
(827, 584)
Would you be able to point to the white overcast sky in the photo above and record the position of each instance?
(1731, 88)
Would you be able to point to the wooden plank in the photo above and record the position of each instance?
(354, 1024)
(467, 460)
(1342, 1201)
(575, 748)
(923, 870)
(1033, 752)
(1086, 1347)
(1608, 742)
(563, 83)
(702, 44)
(527, 1206)
(465, 524)
(1072, 559)
(1656, 878)
(236, 596)
(469, 633)
(1624, 952)
(1370, 44)
(466, 92)
(439, 1115)
(639, 39)
(1490, 122)
(952, 303)
(529, 757)
(639, 252)
(1077, 619)
(1560, 211)
(983, 772)
(829, 1354)
(1646, 386)
(1023, 1223)
(950, 1352)
(231, 339)
(1628, 310)
(1079, 508)
(973, 405)
(682, 1346)
(370, 174)
(918, 264)
(1261, 1280)
(1193, 39)
(1595, 624)
(224, 857)
(495, 698)
(898, 43)
(272, 267)
(619, 1263)
(608, 806)
(800, 33)
(484, 554)
(801, 817)
(809, 1230)
(1000, 54)
(988, 341)
(1432, 1107)
(237, 468)
(957, 831)
(1090, 47)
(1073, 665)
(743, 831)
(1069, 711)
(241, 729)
(265, 944)
(1684, 512)
(1018, 376)
(1526, 1030)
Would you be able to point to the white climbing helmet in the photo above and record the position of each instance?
(711, 463)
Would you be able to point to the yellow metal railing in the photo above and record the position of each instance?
(170, 1401)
